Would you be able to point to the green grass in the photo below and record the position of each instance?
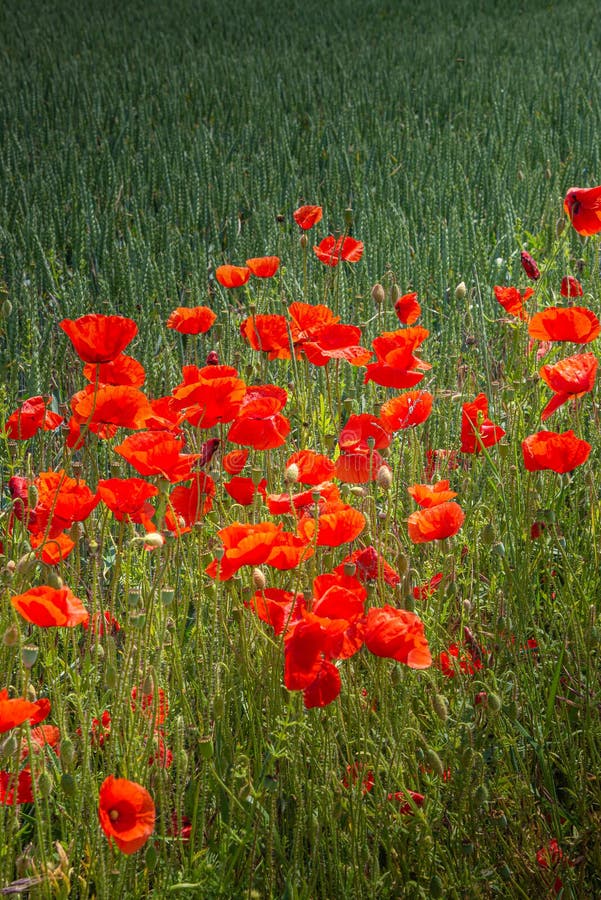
(141, 146)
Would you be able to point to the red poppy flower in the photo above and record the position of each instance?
(583, 207)
(243, 490)
(61, 501)
(50, 607)
(144, 702)
(209, 395)
(234, 461)
(191, 320)
(570, 287)
(359, 466)
(435, 524)
(277, 607)
(108, 407)
(157, 453)
(512, 300)
(30, 417)
(15, 711)
(573, 323)
(357, 772)
(429, 495)
(97, 338)
(423, 591)
(407, 801)
(397, 634)
(16, 788)
(126, 812)
(558, 452)
(263, 266)
(232, 276)
(307, 216)
(435, 460)
(397, 365)
(313, 468)
(336, 342)
(360, 428)
(253, 545)
(407, 308)
(369, 567)
(406, 411)
(124, 370)
(42, 736)
(267, 333)
(302, 502)
(52, 550)
(127, 498)
(193, 502)
(570, 378)
(459, 659)
(324, 688)
(477, 430)
(337, 524)
(551, 855)
(529, 266)
(331, 250)
(259, 423)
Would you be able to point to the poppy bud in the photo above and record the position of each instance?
(32, 496)
(460, 291)
(151, 857)
(154, 540)
(11, 567)
(467, 606)
(6, 308)
(395, 293)
(384, 478)
(54, 580)
(68, 785)
(259, 580)
(529, 266)
(67, 752)
(521, 175)
(488, 535)
(11, 636)
(45, 784)
(436, 887)
(212, 358)
(291, 474)
(494, 702)
(29, 655)
(440, 706)
(434, 761)
(110, 679)
(348, 217)
(9, 746)
(303, 241)
(378, 294)
(560, 227)
(481, 795)
(26, 563)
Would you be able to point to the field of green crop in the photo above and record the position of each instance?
(143, 146)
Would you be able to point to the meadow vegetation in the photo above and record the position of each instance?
(230, 668)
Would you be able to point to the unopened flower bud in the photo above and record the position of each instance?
(291, 474)
(434, 762)
(460, 291)
(26, 563)
(54, 580)
(32, 496)
(395, 293)
(11, 636)
(494, 702)
(384, 478)
(440, 707)
(154, 540)
(303, 241)
(6, 308)
(45, 784)
(259, 580)
(348, 217)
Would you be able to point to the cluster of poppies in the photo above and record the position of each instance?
(173, 489)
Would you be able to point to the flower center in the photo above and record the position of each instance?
(114, 815)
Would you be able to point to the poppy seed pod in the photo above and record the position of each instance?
(460, 291)
(378, 294)
(291, 474)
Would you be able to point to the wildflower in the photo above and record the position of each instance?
(397, 366)
(397, 634)
(277, 607)
(97, 338)
(407, 801)
(259, 423)
(459, 659)
(357, 771)
(243, 490)
(572, 323)
(406, 411)
(234, 462)
(370, 565)
(477, 430)
(157, 453)
(32, 416)
(191, 320)
(312, 468)
(331, 250)
(570, 287)
(126, 812)
(110, 406)
(52, 550)
(337, 524)
(307, 216)
(435, 524)
(570, 378)
(559, 452)
(429, 495)
(15, 711)
(210, 395)
(232, 276)
(191, 502)
(407, 308)
(512, 300)
(50, 607)
(124, 370)
(423, 591)
(529, 266)
(143, 700)
(267, 333)
(263, 266)
(583, 207)
(16, 789)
